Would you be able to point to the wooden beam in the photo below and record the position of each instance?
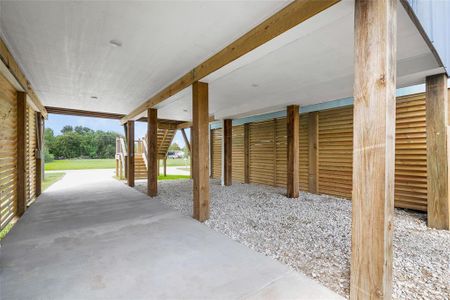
(285, 19)
(438, 204)
(373, 149)
(227, 152)
(39, 153)
(152, 152)
(82, 113)
(165, 166)
(186, 141)
(293, 127)
(246, 153)
(200, 150)
(21, 153)
(13, 68)
(313, 153)
(130, 150)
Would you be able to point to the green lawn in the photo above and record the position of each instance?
(80, 164)
(51, 178)
(177, 162)
(173, 177)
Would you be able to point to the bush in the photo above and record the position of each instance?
(48, 157)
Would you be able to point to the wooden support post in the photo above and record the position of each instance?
(246, 153)
(373, 149)
(438, 205)
(313, 144)
(186, 141)
(39, 153)
(152, 152)
(126, 158)
(200, 150)
(191, 155)
(227, 152)
(21, 153)
(293, 127)
(130, 157)
(165, 166)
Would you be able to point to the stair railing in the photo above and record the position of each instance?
(121, 154)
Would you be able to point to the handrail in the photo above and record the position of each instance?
(144, 153)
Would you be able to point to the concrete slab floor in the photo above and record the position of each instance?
(91, 237)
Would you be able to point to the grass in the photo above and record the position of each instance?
(80, 164)
(51, 178)
(5, 230)
(177, 162)
(173, 177)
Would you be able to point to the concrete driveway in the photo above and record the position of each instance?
(91, 237)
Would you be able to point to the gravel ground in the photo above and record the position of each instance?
(312, 235)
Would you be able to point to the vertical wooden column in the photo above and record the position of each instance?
(373, 149)
(438, 205)
(165, 166)
(293, 127)
(152, 152)
(246, 153)
(200, 150)
(130, 150)
(39, 153)
(21, 153)
(227, 152)
(192, 156)
(126, 158)
(313, 161)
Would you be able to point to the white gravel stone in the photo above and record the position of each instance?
(312, 235)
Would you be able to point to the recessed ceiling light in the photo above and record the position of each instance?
(255, 85)
(115, 43)
(94, 97)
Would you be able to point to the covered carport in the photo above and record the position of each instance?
(305, 53)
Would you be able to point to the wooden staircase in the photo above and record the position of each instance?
(165, 138)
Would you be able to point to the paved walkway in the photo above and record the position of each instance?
(91, 237)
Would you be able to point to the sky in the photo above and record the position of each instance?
(57, 122)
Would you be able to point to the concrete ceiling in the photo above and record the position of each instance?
(64, 49)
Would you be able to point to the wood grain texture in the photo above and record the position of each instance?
(303, 172)
(227, 152)
(238, 170)
(285, 19)
(437, 121)
(200, 150)
(21, 153)
(373, 149)
(152, 152)
(246, 153)
(293, 127)
(130, 150)
(30, 167)
(8, 152)
(216, 153)
(335, 152)
(313, 152)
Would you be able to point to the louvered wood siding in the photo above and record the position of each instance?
(262, 156)
(216, 153)
(303, 152)
(30, 155)
(411, 153)
(268, 157)
(8, 151)
(336, 152)
(237, 155)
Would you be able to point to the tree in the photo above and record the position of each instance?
(66, 129)
(174, 147)
(80, 142)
